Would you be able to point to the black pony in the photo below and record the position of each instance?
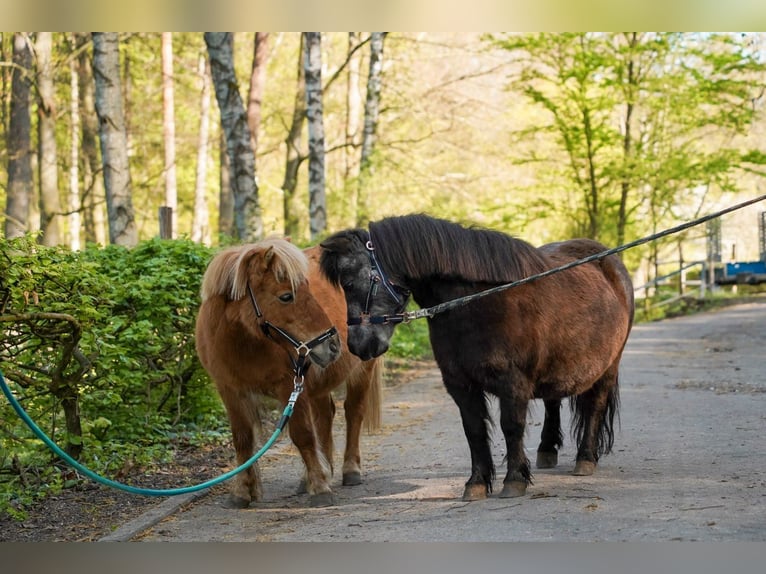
(558, 337)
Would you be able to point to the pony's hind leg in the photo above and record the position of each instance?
(593, 421)
(473, 412)
(551, 437)
(513, 415)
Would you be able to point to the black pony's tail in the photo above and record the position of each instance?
(580, 404)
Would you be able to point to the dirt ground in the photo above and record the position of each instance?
(689, 464)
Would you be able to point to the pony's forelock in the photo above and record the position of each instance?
(227, 272)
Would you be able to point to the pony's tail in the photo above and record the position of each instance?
(374, 418)
(580, 404)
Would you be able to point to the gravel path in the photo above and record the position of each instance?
(689, 460)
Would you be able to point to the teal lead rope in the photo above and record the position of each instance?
(152, 491)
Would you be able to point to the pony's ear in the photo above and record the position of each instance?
(337, 243)
(268, 257)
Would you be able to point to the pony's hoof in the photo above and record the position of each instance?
(547, 459)
(474, 492)
(513, 489)
(237, 502)
(352, 478)
(584, 468)
(322, 499)
(302, 489)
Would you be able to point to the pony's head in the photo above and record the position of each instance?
(348, 262)
(267, 282)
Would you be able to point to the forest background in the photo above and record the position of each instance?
(544, 136)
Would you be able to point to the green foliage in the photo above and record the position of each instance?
(117, 336)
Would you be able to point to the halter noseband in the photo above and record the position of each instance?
(300, 364)
(398, 294)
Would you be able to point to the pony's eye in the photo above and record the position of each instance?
(286, 297)
(348, 285)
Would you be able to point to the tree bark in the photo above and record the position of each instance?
(19, 141)
(169, 130)
(50, 202)
(114, 150)
(201, 219)
(293, 156)
(247, 211)
(226, 196)
(369, 133)
(353, 104)
(314, 114)
(93, 197)
(74, 155)
(257, 87)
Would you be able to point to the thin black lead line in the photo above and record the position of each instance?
(447, 305)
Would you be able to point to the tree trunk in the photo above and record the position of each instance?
(201, 219)
(74, 156)
(627, 140)
(293, 157)
(169, 130)
(93, 197)
(226, 198)
(369, 133)
(114, 150)
(247, 210)
(314, 114)
(50, 202)
(19, 141)
(353, 114)
(257, 86)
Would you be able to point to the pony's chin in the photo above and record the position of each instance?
(370, 350)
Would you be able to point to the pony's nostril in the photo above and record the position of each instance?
(334, 347)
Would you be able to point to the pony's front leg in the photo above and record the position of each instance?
(551, 437)
(244, 419)
(513, 416)
(473, 412)
(317, 468)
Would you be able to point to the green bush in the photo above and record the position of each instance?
(98, 346)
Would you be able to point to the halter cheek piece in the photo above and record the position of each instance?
(398, 294)
(300, 363)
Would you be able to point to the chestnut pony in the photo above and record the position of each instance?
(561, 336)
(256, 298)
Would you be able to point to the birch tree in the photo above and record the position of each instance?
(369, 133)
(19, 190)
(169, 129)
(201, 220)
(314, 115)
(247, 211)
(113, 137)
(50, 202)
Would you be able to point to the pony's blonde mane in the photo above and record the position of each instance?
(227, 272)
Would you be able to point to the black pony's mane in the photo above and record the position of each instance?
(420, 246)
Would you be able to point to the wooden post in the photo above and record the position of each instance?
(166, 222)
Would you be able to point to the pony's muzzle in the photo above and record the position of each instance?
(327, 352)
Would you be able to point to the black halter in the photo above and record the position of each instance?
(398, 294)
(300, 363)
